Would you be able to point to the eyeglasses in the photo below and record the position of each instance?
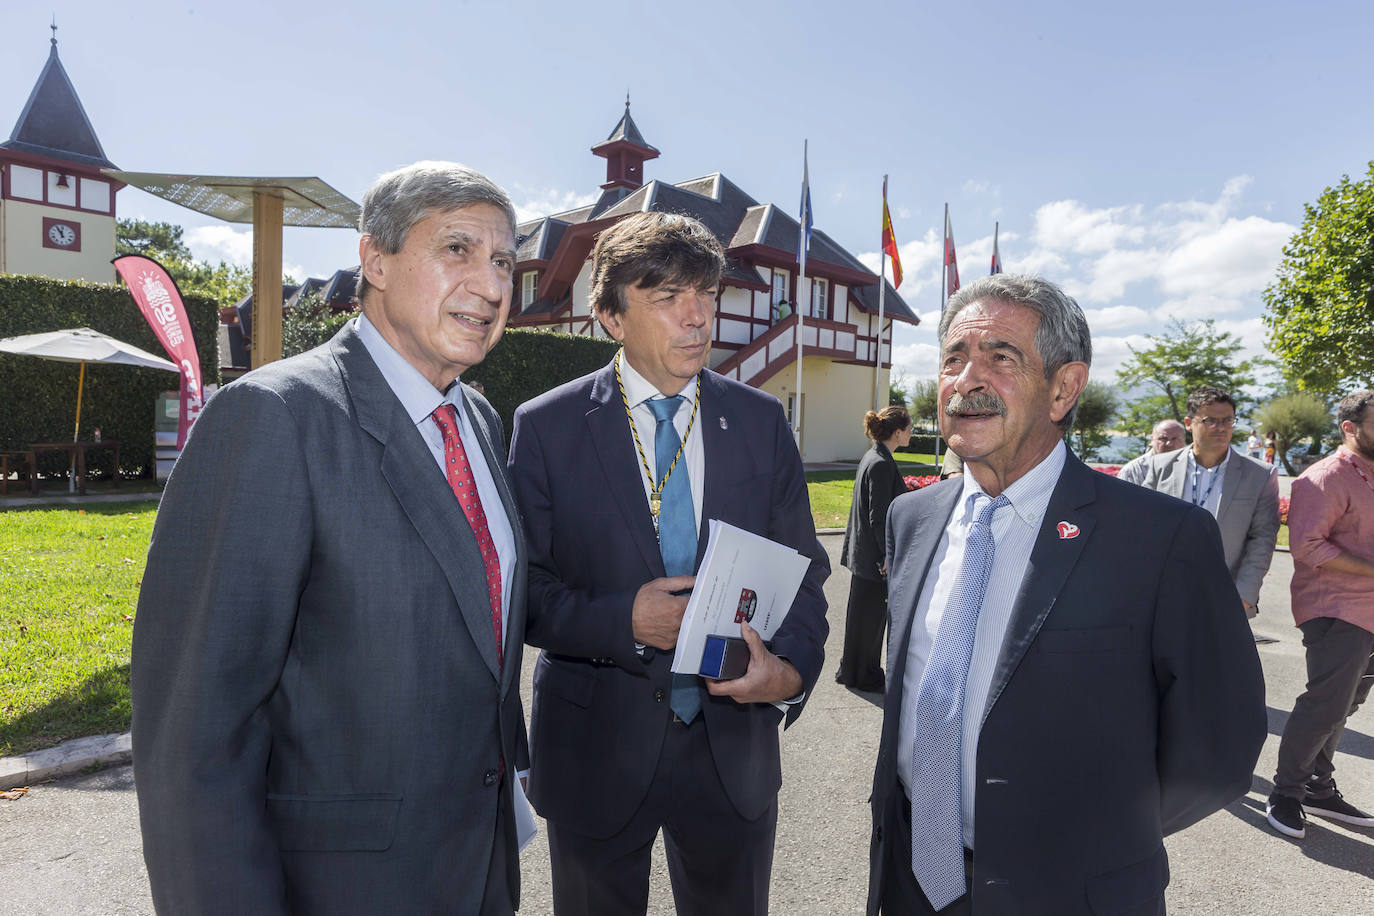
(1217, 422)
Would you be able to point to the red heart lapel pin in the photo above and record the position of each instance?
(1067, 530)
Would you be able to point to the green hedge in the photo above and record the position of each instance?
(38, 396)
(526, 364)
(924, 444)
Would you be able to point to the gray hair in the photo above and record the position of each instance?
(1062, 335)
(400, 199)
(1167, 421)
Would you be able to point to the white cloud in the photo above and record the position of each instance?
(1115, 317)
(1068, 225)
(221, 243)
(1238, 256)
(532, 203)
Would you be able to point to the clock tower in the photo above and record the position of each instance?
(57, 209)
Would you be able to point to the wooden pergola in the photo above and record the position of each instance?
(269, 204)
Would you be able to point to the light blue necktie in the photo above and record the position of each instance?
(677, 530)
(937, 819)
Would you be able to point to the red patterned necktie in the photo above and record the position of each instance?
(459, 475)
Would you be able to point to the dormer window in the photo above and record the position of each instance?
(529, 282)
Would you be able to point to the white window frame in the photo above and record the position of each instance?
(820, 291)
(779, 292)
(529, 284)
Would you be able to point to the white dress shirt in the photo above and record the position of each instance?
(419, 399)
(639, 391)
(1014, 529)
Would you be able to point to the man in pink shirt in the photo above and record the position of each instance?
(1331, 535)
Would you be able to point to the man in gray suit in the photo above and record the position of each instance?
(1243, 495)
(326, 660)
(1167, 436)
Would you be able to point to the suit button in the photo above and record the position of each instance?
(659, 695)
(490, 777)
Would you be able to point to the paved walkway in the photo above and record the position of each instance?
(72, 847)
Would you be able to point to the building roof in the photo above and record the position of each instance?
(626, 131)
(54, 123)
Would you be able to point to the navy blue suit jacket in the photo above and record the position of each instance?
(600, 710)
(1127, 702)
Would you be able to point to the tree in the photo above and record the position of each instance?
(1320, 307)
(897, 383)
(1096, 408)
(1292, 418)
(924, 402)
(1182, 359)
(310, 323)
(163, 242)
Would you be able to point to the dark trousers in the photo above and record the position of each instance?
(902, 894)
(1340, 670)
(718, 862)
(861, 664)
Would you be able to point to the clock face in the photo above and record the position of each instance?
(61, 234)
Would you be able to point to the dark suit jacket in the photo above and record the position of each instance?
(1248, 514)
(318, 713)
(600, 710)
(1128, 702)
(877, 483)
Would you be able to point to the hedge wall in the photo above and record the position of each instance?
(38, 396)
(528, 363)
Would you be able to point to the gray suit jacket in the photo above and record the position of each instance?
(1248, 515)
(319, 716)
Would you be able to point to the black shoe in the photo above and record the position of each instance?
(1285, 815)
(1337, 809)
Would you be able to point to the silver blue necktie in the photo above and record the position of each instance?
(937, 821)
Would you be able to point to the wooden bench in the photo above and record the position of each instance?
(25, 461)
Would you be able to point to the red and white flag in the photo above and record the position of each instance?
(996, 255)
(951, 261)
(158, 298)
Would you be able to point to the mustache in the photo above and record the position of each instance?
(977, 402)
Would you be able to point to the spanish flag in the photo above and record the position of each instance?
(890, 241)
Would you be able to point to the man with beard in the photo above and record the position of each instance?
(1331, 534)
(1062, 691)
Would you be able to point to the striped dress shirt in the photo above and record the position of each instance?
(1014, 530)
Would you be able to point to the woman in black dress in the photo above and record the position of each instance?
(877, 483)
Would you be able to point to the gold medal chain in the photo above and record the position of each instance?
(655, 491)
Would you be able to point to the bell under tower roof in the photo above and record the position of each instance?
(54, 123)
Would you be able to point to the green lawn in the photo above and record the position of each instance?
(832, 491)
(68, 588)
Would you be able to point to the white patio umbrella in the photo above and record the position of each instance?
(83, 345)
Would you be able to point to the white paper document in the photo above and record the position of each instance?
(525, 826)
(743, 576)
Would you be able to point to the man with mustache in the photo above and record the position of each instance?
(1070, 674)
(326, 661)
(618, 475)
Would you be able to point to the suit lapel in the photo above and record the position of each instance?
(1052, 559)
(515, 612)
(1231, 483)
(419, 485)
(609, 430)
(720, 436)
(1178, 472)
(932, 512)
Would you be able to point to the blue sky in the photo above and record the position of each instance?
(1153, 159)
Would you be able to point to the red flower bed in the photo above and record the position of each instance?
(1112, 469)
(915, 483)
(1283, 510)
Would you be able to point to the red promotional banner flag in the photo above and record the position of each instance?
(159, 300)
(996, 255)
(890, 242)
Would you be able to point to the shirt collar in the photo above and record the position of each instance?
(638, 389)
(418, 397)
(1217, 469)
(1030, 494)
(1359, 460)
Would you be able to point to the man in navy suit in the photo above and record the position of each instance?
(1071, 675)
(618, 474)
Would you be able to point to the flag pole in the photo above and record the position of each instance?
(801, 278)
(944, 275)
(882, 290)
